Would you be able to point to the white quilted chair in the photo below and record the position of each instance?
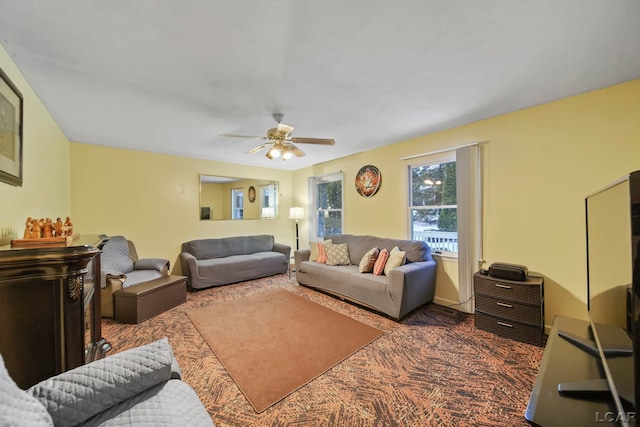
(138, 387)
(121, 268)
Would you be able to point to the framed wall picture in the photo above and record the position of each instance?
(368, 181)
(10, 132)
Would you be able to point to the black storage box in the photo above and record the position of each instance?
(501, 270)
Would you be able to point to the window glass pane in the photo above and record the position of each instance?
(330, 195)
(433, 185)
(237, 204)
(433, 206)
(329, 222)
(437, 227)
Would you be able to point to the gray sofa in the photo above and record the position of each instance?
(216, 262)
(138, 387)
(405, 288)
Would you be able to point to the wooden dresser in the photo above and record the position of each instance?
(49, 307)
(510, 308)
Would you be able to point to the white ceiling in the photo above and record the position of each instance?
(170, 76)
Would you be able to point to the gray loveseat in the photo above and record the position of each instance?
(216, 262)
(405, 288)
(139, 387)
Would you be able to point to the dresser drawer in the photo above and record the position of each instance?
(529, 292)
(531, 314)
(514, 330)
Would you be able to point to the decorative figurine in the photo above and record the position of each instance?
(68, 227)
(48, 229)
(28, 228)
(58, 227)
(36, 230)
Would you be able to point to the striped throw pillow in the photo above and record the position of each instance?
(322, 254)
(378, 267)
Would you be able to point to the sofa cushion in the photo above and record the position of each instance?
(77, 395)
(368, 260)
(314, 251)
(136, 277)
(171, 403)
(378, 267)
(238, 268)
(337, 254)
(115, 256)
(17, 407)
(228, 246)
(396, 259)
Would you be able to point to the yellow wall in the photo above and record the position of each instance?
(153, 199)
(45, 190)
(539, 164)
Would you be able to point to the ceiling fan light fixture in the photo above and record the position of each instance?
(274, 152)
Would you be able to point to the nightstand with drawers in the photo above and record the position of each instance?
(509, 308)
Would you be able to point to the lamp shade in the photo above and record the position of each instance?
(268, 213)
(296, 213)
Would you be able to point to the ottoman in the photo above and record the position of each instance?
(138, 303)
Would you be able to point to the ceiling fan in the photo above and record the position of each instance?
(280, 143)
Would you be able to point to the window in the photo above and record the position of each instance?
(327, 204)
(433, 205)
(269, 196)
(237, 203)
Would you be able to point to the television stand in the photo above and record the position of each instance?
(564, 363)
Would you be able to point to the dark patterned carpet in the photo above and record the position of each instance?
(432, 369)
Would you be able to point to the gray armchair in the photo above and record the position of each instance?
(137, 387)
(121, 268)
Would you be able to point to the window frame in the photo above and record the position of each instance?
(313, 183)
(428, 160)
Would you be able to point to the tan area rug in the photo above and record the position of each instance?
(274, 342)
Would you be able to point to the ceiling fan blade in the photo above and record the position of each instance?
(318, 141)
(229, 135)
(284, 130)
(295, 150)
(258, 148)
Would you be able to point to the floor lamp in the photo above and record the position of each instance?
(296, 214)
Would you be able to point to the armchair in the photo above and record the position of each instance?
(121, 268)
(137, 387)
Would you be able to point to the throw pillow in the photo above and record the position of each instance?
(337, 254)
(368, 260)
(322, 253)
(378, 267)
(396, 259)
(315, 252)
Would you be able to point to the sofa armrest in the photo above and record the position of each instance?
(282, 248)
(301, 255)
(110, 284)
(189, 264)
(415, 282)
(74, 396)
(159, 264)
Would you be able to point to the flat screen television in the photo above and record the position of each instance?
(613, 294)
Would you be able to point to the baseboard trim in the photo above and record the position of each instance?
(452, 304)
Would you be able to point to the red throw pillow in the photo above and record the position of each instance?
(378, 267)
(322, 254)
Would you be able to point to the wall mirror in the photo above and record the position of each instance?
(232, 198)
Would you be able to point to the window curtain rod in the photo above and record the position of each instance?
(443, 150)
